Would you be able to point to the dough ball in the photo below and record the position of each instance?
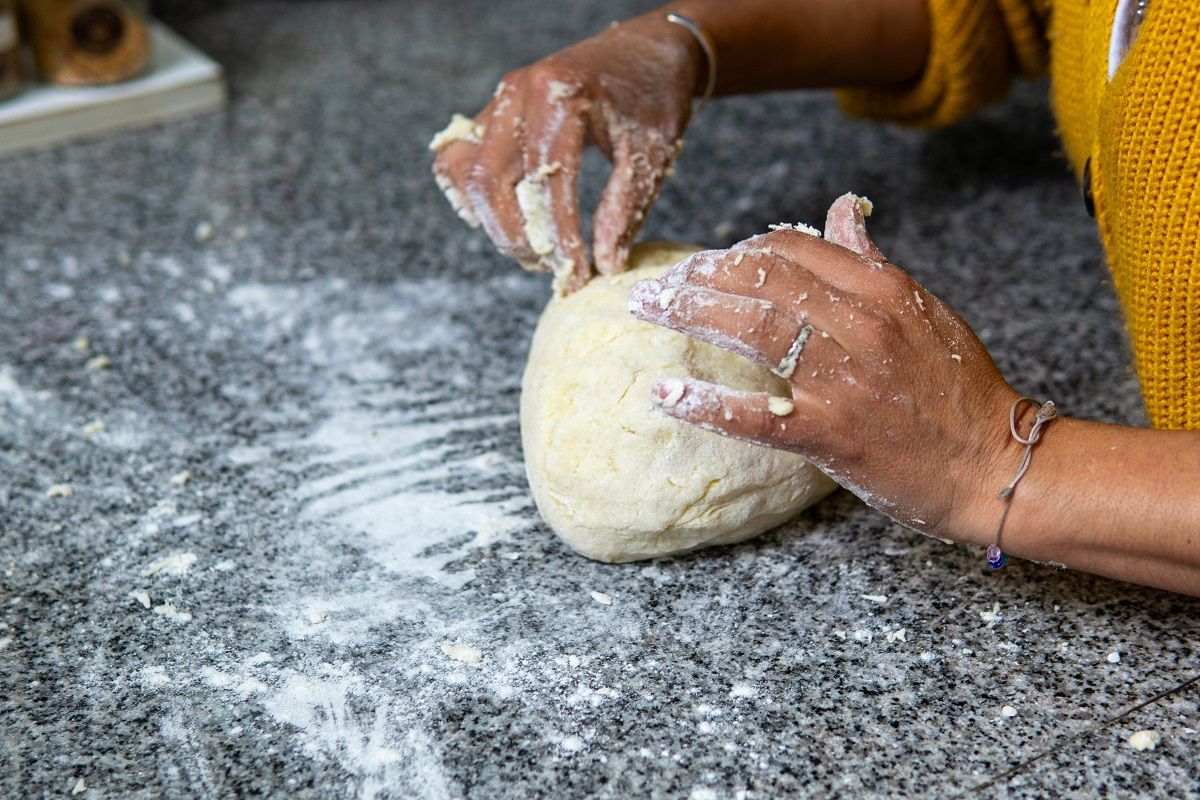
(619, 481)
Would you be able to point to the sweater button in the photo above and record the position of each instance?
(1089, 202)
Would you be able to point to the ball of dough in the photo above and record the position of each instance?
(616, 479)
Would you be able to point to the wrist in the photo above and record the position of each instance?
(1030, 525)
(677, 41)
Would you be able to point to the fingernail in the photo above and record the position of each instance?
(667, 392)
(643, 298)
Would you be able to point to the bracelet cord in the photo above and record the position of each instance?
(1045, 413)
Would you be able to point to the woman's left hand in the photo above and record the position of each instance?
(893, 394)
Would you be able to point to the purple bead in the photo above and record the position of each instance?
(996, 557)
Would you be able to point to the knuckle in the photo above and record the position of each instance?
(881, 327)
(552, 79)
(896, 283)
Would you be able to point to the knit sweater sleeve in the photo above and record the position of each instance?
(976, 47)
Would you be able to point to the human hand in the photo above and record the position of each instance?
(894, 396)
(514, 168)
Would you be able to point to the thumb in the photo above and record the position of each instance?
(846, 225)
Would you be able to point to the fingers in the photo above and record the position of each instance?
(490, 185)
(846, 225)
(758, 273)
(752, 328)
(750, 416)
(640, 162)
(548, 193)
(456, 153)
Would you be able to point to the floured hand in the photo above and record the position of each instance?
(893, 395)
(513, 169)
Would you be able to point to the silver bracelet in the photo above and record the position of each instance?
(710, 54)
(1046, 412)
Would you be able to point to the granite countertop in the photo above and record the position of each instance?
(281, 381)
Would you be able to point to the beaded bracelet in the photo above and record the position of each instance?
(1046, 412)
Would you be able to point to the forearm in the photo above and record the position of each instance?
(766, 45)
(1115, 501)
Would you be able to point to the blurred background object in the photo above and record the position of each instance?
(88, 42)
(10, 49)
(146, 74)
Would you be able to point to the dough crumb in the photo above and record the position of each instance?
(956, 357)
(537, 209)
(1008, 711)
(204, 232)
(601, 598)
(664, 299)
(898, 635)
(317, 618)
(463, 652)
(737, 260)
(80, 787)
(780, 406)
(991, 617)
(798, 227)
(460, 129)
(142, 596)
(172, 613)
(98, 363)
(180, 478)
(82, 344)
(60, 490)
(875, 598)
(865, 204)
(1144, 740)
(95, 427)
(920, 302)
(176, 564)
(1114, 658)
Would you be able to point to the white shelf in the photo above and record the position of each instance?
(180, 80)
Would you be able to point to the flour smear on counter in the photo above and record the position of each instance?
(400, 456)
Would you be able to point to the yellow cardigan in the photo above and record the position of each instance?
(1138, 134)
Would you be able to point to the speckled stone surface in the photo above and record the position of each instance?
(337, 370)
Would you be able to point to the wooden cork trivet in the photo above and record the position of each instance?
(86, 42)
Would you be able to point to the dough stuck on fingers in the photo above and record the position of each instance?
(615, 478)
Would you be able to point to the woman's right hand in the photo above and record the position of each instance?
(514, 168)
